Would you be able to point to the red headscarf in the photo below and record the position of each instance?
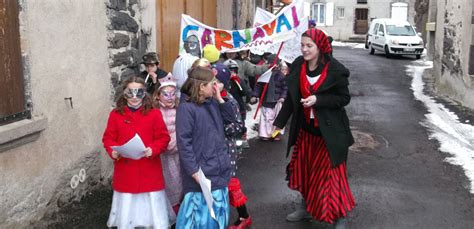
(306, 89)
(320, 39)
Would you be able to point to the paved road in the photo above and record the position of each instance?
(397, 175)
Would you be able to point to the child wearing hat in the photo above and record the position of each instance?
(245, 70)
(211, 53)
(152, 72)
(311, 24)
(234, 126)
(165, 99)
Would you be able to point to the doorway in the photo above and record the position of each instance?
(361, 23)
(168, 25)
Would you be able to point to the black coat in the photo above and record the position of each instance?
(150, 86)
(331, 96)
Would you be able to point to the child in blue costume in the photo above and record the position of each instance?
(202, 145)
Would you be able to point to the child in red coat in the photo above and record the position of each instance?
(139, 199)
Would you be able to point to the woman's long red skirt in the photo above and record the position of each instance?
(324, 188)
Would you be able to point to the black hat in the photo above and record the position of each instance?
(150, 58)
(222, 73)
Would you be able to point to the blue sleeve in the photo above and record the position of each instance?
(184, 137)
(257, 90)
(233, 124)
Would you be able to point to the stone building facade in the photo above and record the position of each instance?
(73, 54)
(450, 46)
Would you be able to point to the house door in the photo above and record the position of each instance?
(168, 23)
(361, 23)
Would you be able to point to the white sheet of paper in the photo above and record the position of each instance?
(206, 191)
(133, 149)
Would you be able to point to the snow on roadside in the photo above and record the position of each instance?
(348, 44)
(455, 138)
(249, 122)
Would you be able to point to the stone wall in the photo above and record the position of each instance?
(131, 33)
(421, 16)
(451, 55)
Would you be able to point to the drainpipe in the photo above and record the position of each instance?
(235, 13)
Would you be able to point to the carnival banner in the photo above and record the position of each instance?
(282, 28)
(291, 49)
(262, 16)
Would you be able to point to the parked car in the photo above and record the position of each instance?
(393, 37)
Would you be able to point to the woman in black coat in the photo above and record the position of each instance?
(319, 131)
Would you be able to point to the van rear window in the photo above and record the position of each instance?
(400, 30)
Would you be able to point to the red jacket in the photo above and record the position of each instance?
(145, 174)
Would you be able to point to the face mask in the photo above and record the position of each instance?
(134, 92)
(167, 98)
(169, 95)
(191, 45)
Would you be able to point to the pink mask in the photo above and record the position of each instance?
(168, 97)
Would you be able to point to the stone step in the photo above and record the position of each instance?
(357, 39)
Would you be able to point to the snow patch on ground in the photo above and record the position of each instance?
(455, 138)
(250, 122)
(348, 44)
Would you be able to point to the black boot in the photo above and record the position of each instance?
(299, 214)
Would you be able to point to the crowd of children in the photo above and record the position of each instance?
(175, 115)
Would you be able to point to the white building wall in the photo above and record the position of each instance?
(343, 28)
(64, 44)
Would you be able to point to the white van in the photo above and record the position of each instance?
(393, 37)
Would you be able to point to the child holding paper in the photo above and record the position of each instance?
(202, 147)
(139, 199)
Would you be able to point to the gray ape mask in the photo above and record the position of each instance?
(191, 45)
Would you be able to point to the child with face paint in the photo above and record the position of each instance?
(139, 198)
(165, 99)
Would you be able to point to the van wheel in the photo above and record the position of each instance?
(418, 56)
(387, 53)
(372, 50)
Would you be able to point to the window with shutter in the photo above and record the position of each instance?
(319, 13)
(12, 93)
